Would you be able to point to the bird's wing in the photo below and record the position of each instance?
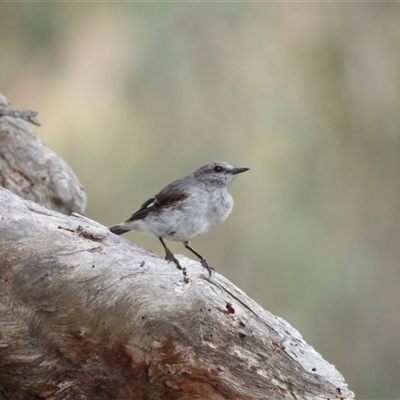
(158, 203)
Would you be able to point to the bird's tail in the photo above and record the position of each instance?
(119, 229)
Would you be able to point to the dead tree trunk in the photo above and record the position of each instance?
(85, 314)
(30, 169)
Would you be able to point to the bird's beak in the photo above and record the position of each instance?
(239, 170)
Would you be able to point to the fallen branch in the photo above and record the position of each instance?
(85, 314)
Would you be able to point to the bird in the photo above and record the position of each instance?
(186, 209)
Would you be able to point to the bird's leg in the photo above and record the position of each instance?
(169, 256)
(203, 261)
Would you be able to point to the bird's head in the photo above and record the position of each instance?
(218, 174)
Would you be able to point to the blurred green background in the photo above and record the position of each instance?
(134, 95)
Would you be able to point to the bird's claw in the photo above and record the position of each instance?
(170, 257)
(205, 265)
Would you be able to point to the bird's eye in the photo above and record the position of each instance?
(218, 168)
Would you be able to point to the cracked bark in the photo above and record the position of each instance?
(85, 314)
(33, 171)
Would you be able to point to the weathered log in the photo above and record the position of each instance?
(33, 171)
(85, 314)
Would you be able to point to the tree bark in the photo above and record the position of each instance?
(85, 314)
(32, 170)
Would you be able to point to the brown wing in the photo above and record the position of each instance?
(158, 203)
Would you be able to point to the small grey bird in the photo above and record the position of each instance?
(186, 208)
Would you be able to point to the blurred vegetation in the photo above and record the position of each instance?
(134, 95)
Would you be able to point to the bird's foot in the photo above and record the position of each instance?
(203, 261)
(169, 256)
(209, 269)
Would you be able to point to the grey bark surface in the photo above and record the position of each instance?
(85, 314)
(33, 171)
